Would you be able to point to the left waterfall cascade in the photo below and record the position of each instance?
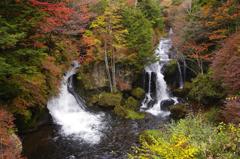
(70, 115)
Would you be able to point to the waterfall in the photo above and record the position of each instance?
(181, 82)
(162, 94)
(69, 113)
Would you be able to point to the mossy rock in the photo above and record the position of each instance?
(138, 93)
(120, 111)
(128, 113)
(106, 99)
(131, 114)
(178, 111)
(131, 103)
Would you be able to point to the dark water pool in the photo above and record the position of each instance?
(119, 136)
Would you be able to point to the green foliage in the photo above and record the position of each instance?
(212, 115)
(205, 90)
(190, 138)
(153, 12)
(138, 93)
(105, 99)
(171, 68)
(139, 37)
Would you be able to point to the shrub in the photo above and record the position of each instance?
(190, 138)
(231, 112)
(205, 90)
(212, 115)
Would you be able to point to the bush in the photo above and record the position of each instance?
(212, 115)
(191, 138)
(138, 93)
(205, 90)
(231, 112)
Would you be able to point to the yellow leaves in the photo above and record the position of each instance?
(177, 147)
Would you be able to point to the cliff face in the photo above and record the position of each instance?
(94, 77)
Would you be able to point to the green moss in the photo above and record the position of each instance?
(107, 99)
(138, 93)
(134, 115)
(120, 111)
(128, 113)
(131, 103)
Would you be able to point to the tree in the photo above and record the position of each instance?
(57, 14)
(110, 29)
(226, 64)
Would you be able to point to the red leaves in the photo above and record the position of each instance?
(231, 112)
(227, 63)
(58, 14)
(197, 51)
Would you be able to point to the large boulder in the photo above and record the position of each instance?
(131, 103)
(178, 111)
(165, 104)
(106, 99)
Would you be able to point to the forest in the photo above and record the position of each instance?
(116, 79)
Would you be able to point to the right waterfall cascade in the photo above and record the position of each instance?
(155, 98)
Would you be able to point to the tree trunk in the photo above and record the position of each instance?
(107, 66)
(136, 2)
(114, 71)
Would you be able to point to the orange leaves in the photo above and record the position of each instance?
(197, 51)
(49, 65)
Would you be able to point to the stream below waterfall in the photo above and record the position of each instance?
(75, 132)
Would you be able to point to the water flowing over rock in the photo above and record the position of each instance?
(161, 91)
(69, 112)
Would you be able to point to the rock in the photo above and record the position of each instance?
(178, 111)
(131, 103)
(166, 103)
(105, 99)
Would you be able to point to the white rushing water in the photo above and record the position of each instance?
(74, 120)
(162, 52)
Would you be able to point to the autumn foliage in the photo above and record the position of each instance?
(57, 14)
(226, 64)
(10, 148)
(231, 112)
